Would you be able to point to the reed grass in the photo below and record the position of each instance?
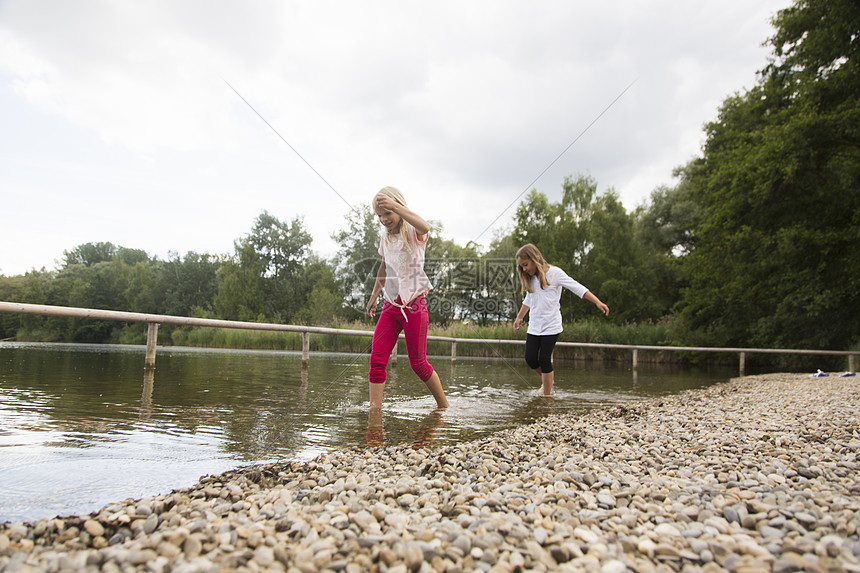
(483, 341)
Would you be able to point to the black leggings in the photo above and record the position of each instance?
(539, 351)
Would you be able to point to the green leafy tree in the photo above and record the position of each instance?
(132, 256)
(89, 254)
(94, 275)
(663, 231)
(357, 259)
(188, 285)
(322, 302)
(665, 223)
(560, 230)
(455, 274)
(282, 246)
(501, 281)
(262, 281)
(140, 291)
(28, 288)
(536, 221)
(84, 286)
(591, 237)
(241, 293)
(617, 264)
(775, 259)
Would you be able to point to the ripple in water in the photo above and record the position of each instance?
(81, 427)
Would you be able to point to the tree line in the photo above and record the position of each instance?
(757, 244)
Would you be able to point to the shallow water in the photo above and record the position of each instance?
(82, 426)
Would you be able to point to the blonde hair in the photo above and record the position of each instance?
(530, 252)
(404, 227)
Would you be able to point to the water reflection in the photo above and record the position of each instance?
(71, 412)
(424, 436)
(146, 396)
(539, 406)
(375, 435)
(428, 430)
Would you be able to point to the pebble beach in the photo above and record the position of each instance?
(761, 473)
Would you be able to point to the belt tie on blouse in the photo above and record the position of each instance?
(402, 308)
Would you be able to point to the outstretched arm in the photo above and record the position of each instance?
(385, 202)
(600, 306)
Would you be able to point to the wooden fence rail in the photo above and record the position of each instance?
(153, 320)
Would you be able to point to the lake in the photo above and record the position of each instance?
(82, 426)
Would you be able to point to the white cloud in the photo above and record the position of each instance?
(117, 120)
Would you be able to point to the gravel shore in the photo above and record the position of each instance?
(757, 474)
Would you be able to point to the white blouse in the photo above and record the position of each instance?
(545, 304)
(404, 270)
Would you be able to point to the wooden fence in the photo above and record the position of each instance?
(153, 320)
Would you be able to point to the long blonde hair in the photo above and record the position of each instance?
(404, 227)
(530, 252)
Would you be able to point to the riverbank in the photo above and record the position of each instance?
(757, 474)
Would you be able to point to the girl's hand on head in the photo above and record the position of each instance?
(386, 203)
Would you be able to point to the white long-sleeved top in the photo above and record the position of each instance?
(545, 303)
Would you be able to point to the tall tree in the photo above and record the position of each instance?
(500, 277)
(357, 259)
(282, 246)
(617, 264)
(30, 288)
(241, 293)
(261, 282)
(188, 284)
(776, 259)
(455, 274)
(663, 230)
(90, 253)
(322, 300)
(591, 237)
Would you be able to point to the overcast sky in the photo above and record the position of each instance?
(117, 122)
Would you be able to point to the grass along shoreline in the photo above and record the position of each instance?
(584, 331)
(663, 333)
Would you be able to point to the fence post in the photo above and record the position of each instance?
(454, 351)
(151, 339)
(393, 360)
(743, 362)
(851, 363)
(635, 358)
(306, 348)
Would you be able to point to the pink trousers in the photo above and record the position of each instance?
(391, 322)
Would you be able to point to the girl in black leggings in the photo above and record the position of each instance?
(542, 284)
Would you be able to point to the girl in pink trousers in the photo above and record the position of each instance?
(403, 284)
